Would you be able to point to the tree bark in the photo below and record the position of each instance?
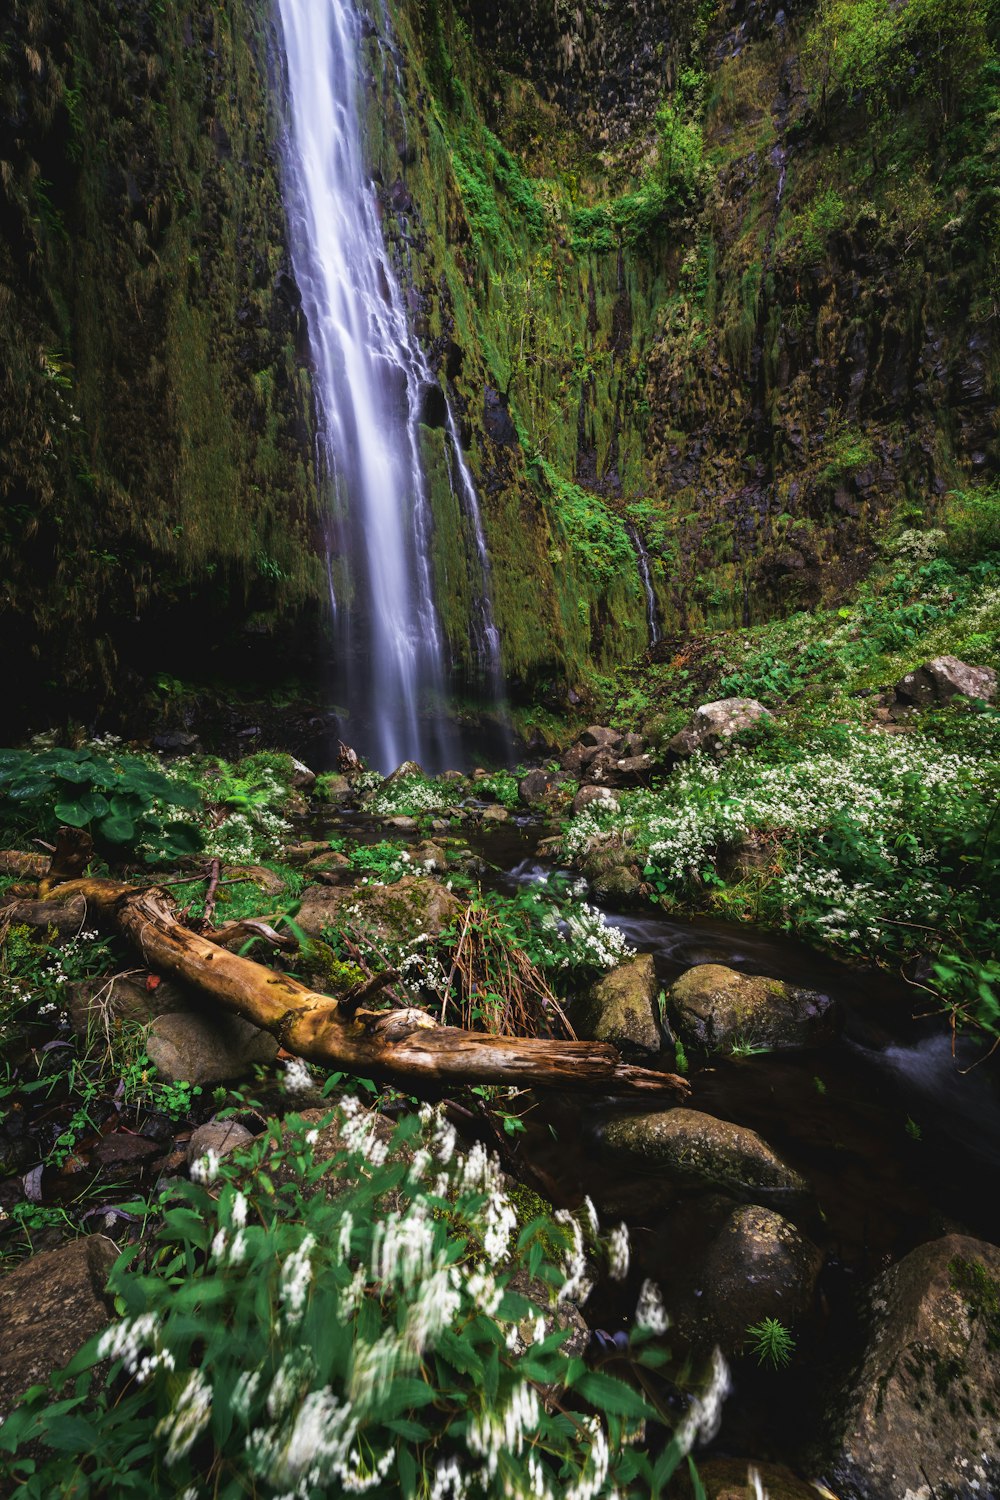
(405, 1046)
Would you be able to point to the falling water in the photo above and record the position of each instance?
(371, 379)
(642, 554)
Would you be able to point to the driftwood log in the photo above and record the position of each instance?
(404, 1046)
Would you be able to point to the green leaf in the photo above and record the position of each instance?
(611, 1395)
(117, 830)
(73, 813)
(183, 838)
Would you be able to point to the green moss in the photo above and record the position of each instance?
(981, 1292)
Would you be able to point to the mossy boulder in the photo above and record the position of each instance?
(714, 723)
(716, 1008)
(398, 912)
(694, 1147)
(759, 1266)
(921, 1414)
(621, 1008)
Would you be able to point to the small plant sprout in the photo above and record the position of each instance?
(771, 1342)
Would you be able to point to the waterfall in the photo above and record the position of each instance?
(371, 382)
(642, 555)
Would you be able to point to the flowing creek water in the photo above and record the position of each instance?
(898, 1142)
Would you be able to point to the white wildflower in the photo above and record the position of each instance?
(650, 1312)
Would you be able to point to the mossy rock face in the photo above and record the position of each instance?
(397, 912)
(717, 1009)
(698, 1148)
(921, 1415)
(620, 1008)
(759, 1266)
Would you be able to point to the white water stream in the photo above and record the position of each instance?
(371, 379)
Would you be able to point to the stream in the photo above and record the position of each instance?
(898, 1140)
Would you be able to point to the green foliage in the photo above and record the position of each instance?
(846, 451)
(595, 533)
(771, 1342)
(501, 786)
(291, 1339)
(972, 521)
(814, 225)
(118, 798)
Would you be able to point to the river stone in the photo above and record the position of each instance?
(759, 1266)
(588, 794)
(495, 814)
(621, 1008)
(220, 1136)
(413, 905)
(715, 722)
(921, 1415)
(267, 882)
(50, 1306)
(572, 761)
(401, 773)
(715, 1008)
(633, 769)
(946, 677)
(695, 1147)
(198, 1048)
(303, 780)
(299, 854)
(95, 1005)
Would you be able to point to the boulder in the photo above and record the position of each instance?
(333, 788)
(633, 769)
(299, 854)
(403, 823)
(946, 677)
(494, 814)
(588, 794)
(715, 722)
(206, 1049)
(621, 1008)
(220, 1136)
(921, 1415)
(430, 856)
(596, 734)
(534, 787)
(50, 1306)
(266, 881)
(694, 1147)
(715, 1008)
(759, 1266)
(414, 904)
(572, 761)
(303, 780)
(401, 773)
(95, 1005)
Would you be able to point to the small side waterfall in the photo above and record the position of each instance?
(371, 384)
(642, 556)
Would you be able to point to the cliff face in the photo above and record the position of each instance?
(158, 502)
(724, 273)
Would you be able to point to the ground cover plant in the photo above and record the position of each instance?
(275, 1337)
(876, 839)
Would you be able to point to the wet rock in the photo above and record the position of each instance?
(335, 788)
(946, 677)
(695, 1147)
(495, 814)
(759, 1266)
(330, 859)
(621, 1008)
(715, 722)
(177, 742)
(95, 1005)
(598, 735)
(715, 1008)
(403, 823)
(534, 787)
(49, 1307)
(121, 1149)
(220, 1136)
(62, 920)
(633, 744)
(921, 1415)
(303, 780)
(619, 883)
(497, 418)
(203, 1049)
(588, 794)
(402, 773)
(414, 904)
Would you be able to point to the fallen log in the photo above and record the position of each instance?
(404, 1046)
